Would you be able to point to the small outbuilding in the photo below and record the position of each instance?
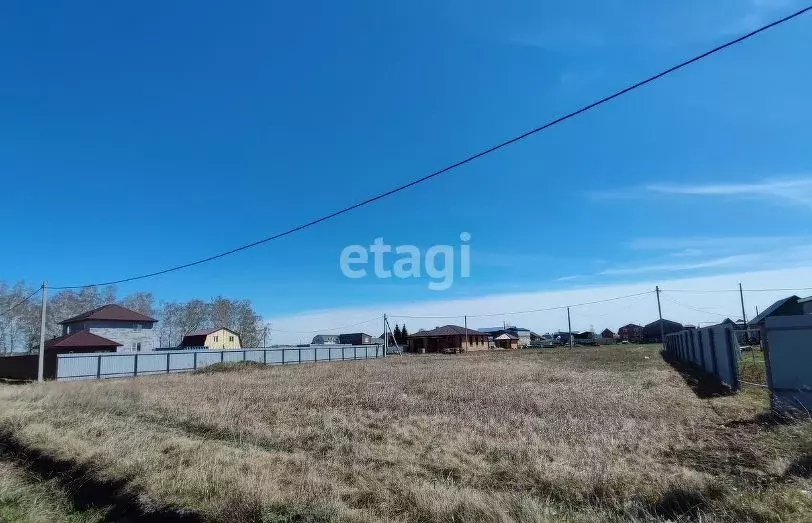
(507, 340)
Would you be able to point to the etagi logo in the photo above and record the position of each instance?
(439, 262)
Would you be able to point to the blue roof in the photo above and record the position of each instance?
(771, 309)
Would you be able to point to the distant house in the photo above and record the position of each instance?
(789, 306)
(326, 339)
(118, 326)
(606, 333)
(448, 338)
(631, 332)
(585, 338)
(507, 340)
(355, 338)
(525, 336)
(216, 338)
(652, 331)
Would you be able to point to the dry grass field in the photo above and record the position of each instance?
(609, 434)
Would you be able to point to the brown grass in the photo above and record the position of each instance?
(582, 435)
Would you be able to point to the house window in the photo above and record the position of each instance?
(231, 338)
(216, 338)
(138, 347)
(137, 327)
(135, 346)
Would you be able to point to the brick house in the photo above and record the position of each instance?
(111, 326)
(448, 338)
(630, 332)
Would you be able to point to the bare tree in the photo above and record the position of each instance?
(143, 302)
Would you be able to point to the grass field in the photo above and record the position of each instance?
(592, 434)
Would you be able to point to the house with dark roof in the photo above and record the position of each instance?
(789, 306)
(111, 326)
(355, 338)
(806, 304)
(525, 336)
(652, 332)
(215, 338)
(631, 332)
(448, 338)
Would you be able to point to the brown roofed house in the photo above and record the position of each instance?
(448, 338)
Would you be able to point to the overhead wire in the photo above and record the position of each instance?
(462, 162)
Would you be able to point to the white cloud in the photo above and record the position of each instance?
(677, 267)
(797, 191)
(611, 314)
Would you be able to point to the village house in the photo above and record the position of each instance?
(216, 338)
(631, 332)
(448, 338)
(111, 327)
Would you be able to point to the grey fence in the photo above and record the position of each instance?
(788, 356)
(713, 349)
(129, 364)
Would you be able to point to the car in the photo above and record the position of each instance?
(624, 342)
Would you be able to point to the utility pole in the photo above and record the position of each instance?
(41, 367)
(466, 332)
(569, 326)
(386, 335)
(660, 312)
(741, 297)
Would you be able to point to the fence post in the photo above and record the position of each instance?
(701, 348)
(734, 358)
(329, 354)
(194, 360)
(98, 367)
(135, 365)
(315, 354)
(355, 352)
(243, 356)
(265, 357)
(167, 363)
(283, 355)
(222, 356)
(712, 339)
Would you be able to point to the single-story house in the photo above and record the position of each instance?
(355, 338)
(507, 340)
(652, 331)
(448, 338)
(631, 332)
(326, 339)
(216, 338)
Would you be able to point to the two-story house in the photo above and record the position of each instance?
(126, 329)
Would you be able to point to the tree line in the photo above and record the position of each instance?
(19, 328)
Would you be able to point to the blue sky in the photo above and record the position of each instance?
(136, 137)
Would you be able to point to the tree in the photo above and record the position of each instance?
(143, 302)
(404, 335)
(396, 334)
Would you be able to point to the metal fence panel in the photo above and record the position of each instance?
(107, 365)
(713, 349)
(789, 361)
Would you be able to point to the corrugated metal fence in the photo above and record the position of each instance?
(129, 364)
(714, 349)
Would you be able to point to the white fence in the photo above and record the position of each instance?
(788, 356)
(129, 364)
(713, 349)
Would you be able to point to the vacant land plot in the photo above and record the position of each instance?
(608, 434)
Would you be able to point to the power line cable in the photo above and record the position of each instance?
(712, 291)
(697, 309)
(546, 309)
(462, 162)
(326, 330)
(20, 302)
